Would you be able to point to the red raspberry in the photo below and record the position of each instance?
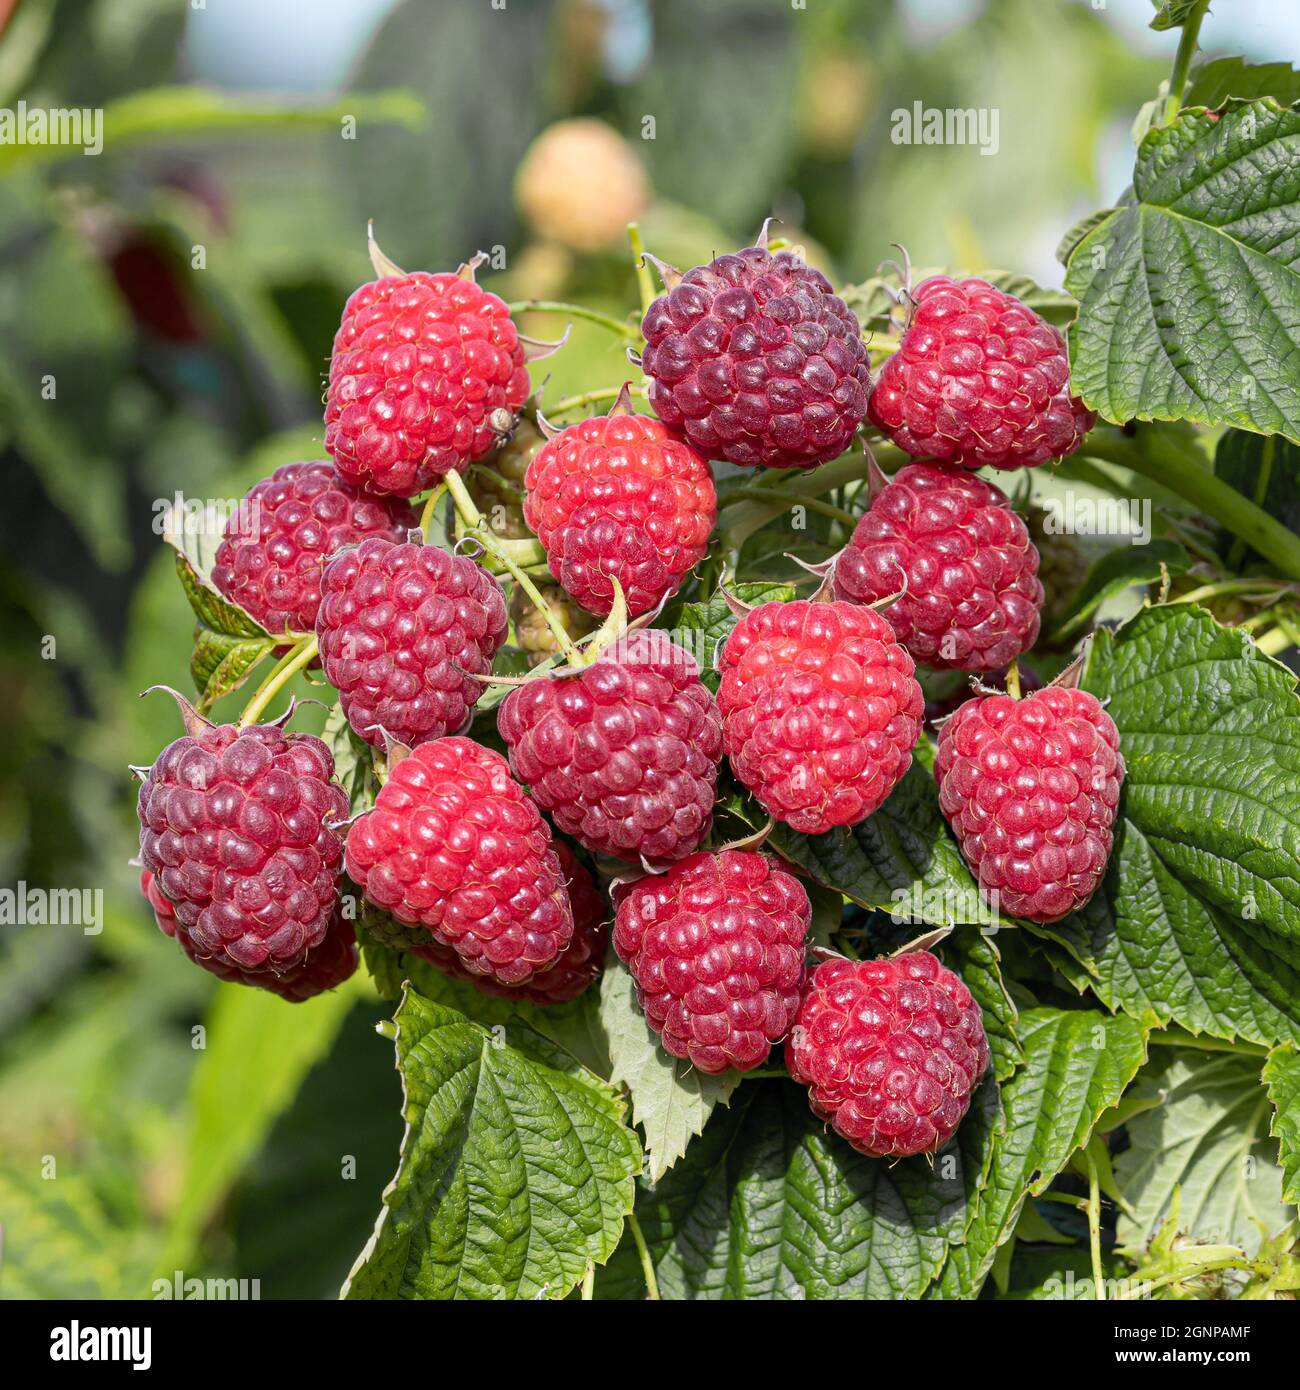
(625, 756)
(234, 827)
(972, 600)
(324, 966)
(980, 379)
(279, 537)
(1030, 789)
(403, 629)
(618, 495)
(716, 947)
(820, 711)
(454, 845)
(578, 966)
(421, 365)
(757, 361)
(890, 1050)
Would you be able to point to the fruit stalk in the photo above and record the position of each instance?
(1183, 59)
(577, 311)
(294, 660)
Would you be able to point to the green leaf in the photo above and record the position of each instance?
(1077, 1065)
(770, 1204)
(1189, 297)
(1209, 1139)
(975, 957)
(671, 1100)
(1282, 1078)
(1211, 84)
(1065, 247)
(901, 857)
(1173, 14)
(513, 1174)
(1114, 572)
(256, 1052)
(354, 764)
(1200, 919)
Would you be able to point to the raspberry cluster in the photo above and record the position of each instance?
(890, 1050)
(1030, 788)
(716, 947)
(757, 361)
(624, 757)
(820, 711)
(962, 561)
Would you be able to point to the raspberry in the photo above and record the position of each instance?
(625, 756)
(716, 947)
(403, 630)
(234, 829)
(533, 634)
(964, 558)
(979, 379)
(820, 710)
(890, 1050)
(757, 361)
(323, 967)
(1062, 567)
(498, 486)
(1030, 788)
(423, 370)
(453, 844)
(278, 539)
(579, 964)
(619, 495)
(581, 183)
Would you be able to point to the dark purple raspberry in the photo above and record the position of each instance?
(578, 966)
(979, 380)
(625, 756)
(757, 361)
(619, 495)
(964, 560)
(820, 711)
(452, 844)
(422, 365)
(890, 1050)
(1030, 788)
(235, 829)
(403, 630)
(279, 537)
(716, 948)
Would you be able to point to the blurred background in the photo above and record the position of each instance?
(166, 313)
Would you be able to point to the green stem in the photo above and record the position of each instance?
(1183, 475)
(814, 504)
(577, 311)
(589, 1282)
(1274, 642)
(1177, 1037)
(289, 665)
(647, 1264)
(1094, 1224)
(1013, 680)
(603, 393)
(481, 532)
(1183, 59)
(1228, 586)
(431, 506)
(644, 281)
(1238, 551)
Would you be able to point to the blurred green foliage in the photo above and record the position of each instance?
(175, 371)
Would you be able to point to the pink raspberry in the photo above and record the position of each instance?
(979, 379)
(757, 361)
(972, 599)
(619, 495)
(235, 829)
(403, 629)
(579, 964)
(324, 967)
(820, 711)
(453, 845)
(426, 375)
(890, 1050)
(278, 539)
(716, 948)
(625, 756)
(1030, 788)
